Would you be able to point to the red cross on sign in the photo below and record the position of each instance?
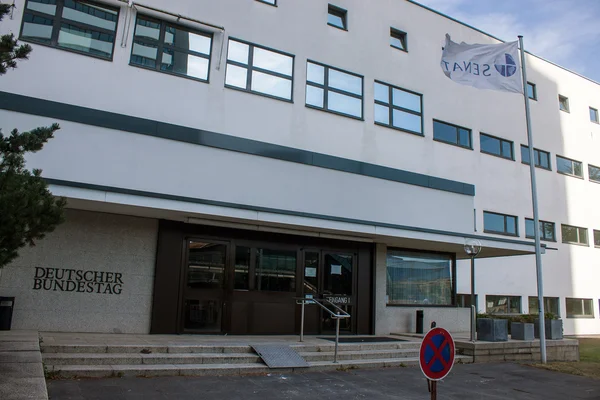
(436, 356)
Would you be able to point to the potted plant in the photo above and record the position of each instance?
(553, 325)
(522, 328)
(490, 329)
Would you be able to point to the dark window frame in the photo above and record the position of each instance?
(546, 308)
(582, 299)
(508, 298)
(274, 3)
(533, 89)
(512, 146)
(579, 243)
(326, 88)
(160, 46)
(505, 232)
(250, 68)
(339, 12)
(400, 35)
(567, 109)
(596, 232)
(597, 121)
(393, 107)
(590, 166)
(537, 157)
(458, 127)
(543, 236)
(57, 20)
(573, 161)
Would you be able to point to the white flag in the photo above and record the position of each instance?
(484, 66)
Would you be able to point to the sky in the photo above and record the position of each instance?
(566, 32)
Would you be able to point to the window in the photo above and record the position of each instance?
(452, 134)
(563, 103)
(170, 48)
(542, 158)
(594, 173)
(574, 235)
(398, 108)
(80, 26)
(596, 238)
(419, 278)
(271, 2)
(496, 146)
(580, 308)
(337, 17)
(531, 91)
(546, 230)
(550, 305)
(258, 70)
(398, 39)
(593, 115)
(569, 167)
(500, 223)
(242, 267)
(334, 90)
(275, 270)
(464, 300)
(503, 304)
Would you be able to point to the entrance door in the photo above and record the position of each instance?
(204, 284)
(338, 287)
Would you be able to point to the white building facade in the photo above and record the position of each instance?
(221, 159)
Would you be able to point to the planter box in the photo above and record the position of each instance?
(554, 329)
(522, 331)
(492, 330)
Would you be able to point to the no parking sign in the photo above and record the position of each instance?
(436, 356)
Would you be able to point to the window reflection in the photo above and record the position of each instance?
(206, 265)
(344, 104)
(346, 82)
(272, 85)
(272, 61)
(275, 270)
(342, 93)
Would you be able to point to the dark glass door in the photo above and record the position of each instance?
(204, 286)
(338, 271)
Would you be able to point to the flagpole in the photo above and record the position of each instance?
(536, 218)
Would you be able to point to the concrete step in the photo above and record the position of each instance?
(148, 359)
(360, 355)
(143, 370)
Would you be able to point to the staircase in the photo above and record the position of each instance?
(99, 361)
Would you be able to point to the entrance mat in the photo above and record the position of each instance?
(279, 356)
(366, 339)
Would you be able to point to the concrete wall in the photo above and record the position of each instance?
(402, 319)
(86, 242)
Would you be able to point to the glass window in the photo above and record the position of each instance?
(569, 167)
(402, 112)
(206, 265)
(496, 146)
(242, 266)
(311, 273)
(542, 158)
(563, 103)
(580, 308)
(271, 2)
(181, 52)
(593, 115)
(337, 17)
(334, 90)
(596, 238)
(547, 231)
(398, 39)
(275, 270)
(503, 304)
(531, 91)
(594, 173)
(81, 26)
(452, 134)
(500, 223)
(258, 70)
(419, 278)
(551, 305)
(464, 300)
(574, 235)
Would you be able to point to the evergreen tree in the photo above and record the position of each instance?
(27, 208)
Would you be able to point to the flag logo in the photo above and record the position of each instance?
(507, 66)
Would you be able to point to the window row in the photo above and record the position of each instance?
(504, 304)
(505, 224)
(563, 102)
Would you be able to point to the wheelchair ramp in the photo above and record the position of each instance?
(279, 356)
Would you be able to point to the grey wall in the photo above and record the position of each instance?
(90, 242)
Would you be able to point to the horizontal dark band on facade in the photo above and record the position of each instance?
(105, 119)
(165, 196)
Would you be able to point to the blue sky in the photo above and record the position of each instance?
(566, 32)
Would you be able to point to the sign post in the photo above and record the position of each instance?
(436, 357)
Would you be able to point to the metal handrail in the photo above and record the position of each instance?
(341, 314)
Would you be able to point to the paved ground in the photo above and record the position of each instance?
(473, 381)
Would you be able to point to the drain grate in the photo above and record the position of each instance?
(279, 356)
